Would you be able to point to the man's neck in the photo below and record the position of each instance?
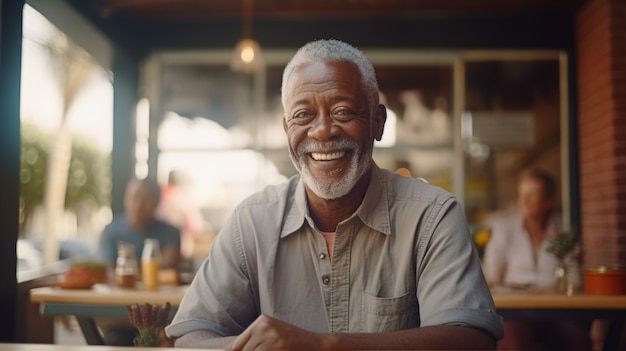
(327, 214)
(537, 222)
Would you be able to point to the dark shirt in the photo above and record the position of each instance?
(120, 231)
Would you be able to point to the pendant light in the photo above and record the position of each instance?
(247, 56)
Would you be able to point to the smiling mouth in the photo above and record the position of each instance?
(317, 156)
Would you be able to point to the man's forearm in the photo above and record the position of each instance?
(426, 338)
(204, 339)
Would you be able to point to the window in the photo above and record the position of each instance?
(225, 128)
(65, 148)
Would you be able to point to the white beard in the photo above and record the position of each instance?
(335, 189)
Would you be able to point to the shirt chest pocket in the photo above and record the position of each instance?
(381, 314)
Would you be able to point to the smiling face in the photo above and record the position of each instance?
(330, 126)
(533, 200)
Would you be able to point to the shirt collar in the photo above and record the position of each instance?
(295, 216)
(373, 212)
(553, 223)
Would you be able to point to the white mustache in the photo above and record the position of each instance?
(317, 147)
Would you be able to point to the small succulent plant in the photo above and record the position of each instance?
(149, 320)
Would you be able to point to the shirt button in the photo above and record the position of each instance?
(322, 256)
(326, 280)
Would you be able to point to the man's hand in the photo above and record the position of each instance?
(267, 333)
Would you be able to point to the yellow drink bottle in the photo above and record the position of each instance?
(150, 264)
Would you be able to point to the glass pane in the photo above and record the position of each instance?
(208, 91)
(211, 131)
(515, 119)
(66, 140)
(418, 132)
(211, 115)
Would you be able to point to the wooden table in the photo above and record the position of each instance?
(106, 295)
(549, 306)
(103, 300)
(519, 301)
(100, 301)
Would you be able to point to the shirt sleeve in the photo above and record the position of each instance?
(107, 246)
(220, 298)
(451, 288)
(172, 238)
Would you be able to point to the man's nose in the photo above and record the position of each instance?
(323, 127)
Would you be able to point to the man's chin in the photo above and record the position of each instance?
(328, 188)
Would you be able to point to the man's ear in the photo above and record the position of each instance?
(378, 121)
(285, 124)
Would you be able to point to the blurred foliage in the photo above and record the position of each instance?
(89, 174)
(32, 170)
(562, 243)
(480, 237)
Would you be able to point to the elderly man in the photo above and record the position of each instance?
(345, 255)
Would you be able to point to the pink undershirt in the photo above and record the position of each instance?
(329, 237)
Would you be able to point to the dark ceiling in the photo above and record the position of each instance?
(186, 10)
(141, 26)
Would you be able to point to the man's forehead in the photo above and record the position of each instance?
(308, 67)
(339, 72)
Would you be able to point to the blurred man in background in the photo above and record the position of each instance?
(136, 224)
(517, 257)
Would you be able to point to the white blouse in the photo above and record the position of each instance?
(509, 258)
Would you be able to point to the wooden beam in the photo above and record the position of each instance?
(10, 78)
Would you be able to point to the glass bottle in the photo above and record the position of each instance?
(150, 264)
(126, 270)
(562, 282)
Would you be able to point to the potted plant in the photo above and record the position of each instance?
(561, 244)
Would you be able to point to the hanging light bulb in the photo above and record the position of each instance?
(247, 57)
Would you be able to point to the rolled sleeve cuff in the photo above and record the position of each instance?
(177, 330)
(467, 317)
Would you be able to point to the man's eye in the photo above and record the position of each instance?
(303, 115)
(343, 114)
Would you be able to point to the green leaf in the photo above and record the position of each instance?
(562, 243)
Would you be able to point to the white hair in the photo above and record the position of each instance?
(331, 50)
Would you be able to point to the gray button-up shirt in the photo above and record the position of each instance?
(404, 259)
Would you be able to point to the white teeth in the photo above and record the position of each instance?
(327, 157)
